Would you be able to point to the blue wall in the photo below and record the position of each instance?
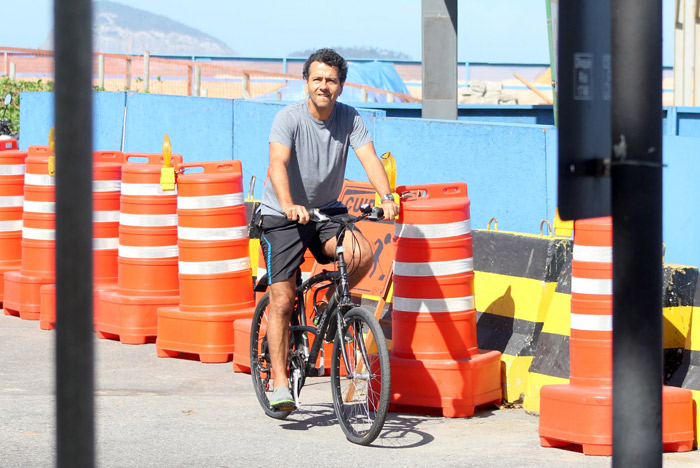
(509, 166)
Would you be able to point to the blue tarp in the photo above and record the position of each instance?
(378, 75)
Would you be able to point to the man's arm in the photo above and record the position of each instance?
(279, 158)
(377, 177)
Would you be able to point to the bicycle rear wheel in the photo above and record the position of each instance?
(361, 397)
(260, 365)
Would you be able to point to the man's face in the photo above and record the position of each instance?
(323, 85)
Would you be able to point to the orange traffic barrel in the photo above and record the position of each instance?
(435, 359)
(12, 162)
(215, 277)
(8, 144)
(580, 413)
(106, 191)
(106, 194)
(37, 266)
(147, 254)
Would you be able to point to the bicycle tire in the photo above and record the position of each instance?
(361, 399)
(260, 366)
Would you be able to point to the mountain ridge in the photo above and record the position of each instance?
(121, 29)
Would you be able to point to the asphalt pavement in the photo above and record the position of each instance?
(172, 412)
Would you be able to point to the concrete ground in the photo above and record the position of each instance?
(170, 412)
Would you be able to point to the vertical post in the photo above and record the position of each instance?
(197, 77)
(637, 227)
(189, 80)
(363, 94)
(439, 59)
(127, 85)
(13, 70)
(688, 51)
(552, 8)
(246, 85)
(146, 70)
(696, 61)
(678, 65)
(6, 63)
(74, 327)
(101, 71)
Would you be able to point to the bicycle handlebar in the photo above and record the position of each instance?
(372, 213)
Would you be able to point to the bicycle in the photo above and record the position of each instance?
(360, 374)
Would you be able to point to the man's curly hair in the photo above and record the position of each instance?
(329, 57)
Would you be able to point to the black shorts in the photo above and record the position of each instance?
(284, 243)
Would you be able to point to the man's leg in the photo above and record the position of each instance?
(358, 255)
(281, 303)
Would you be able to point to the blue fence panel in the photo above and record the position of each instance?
(681, 192)
(507, 168)
(200, 129)
(36, 115)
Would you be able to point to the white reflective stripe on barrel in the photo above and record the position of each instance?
(212, 234)
(128, 219)
(590, 253)
(215, 266)
(39, 207)
(39, 234)
(11, 169)
(38, 179)
(105, 216)
(106, 185)
(12, 202)
(262, 271)
(450, 304)
(165, 251)
(105, 243)
(210, 201)
(432, 231)
(449, 267)
(305, 275)
(146, 189)
(603, 323)
(11, 225)
(591, 286)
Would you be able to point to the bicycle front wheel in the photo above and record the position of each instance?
(260, 365)
(362, 383)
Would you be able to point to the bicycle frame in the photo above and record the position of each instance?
(339, 303)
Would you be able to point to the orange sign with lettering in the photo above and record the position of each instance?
(378, 233)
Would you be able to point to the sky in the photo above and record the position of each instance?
(496, 31)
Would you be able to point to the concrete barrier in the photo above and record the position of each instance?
(515, 278)
(682, 296)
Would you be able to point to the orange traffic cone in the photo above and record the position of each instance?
(147, 254)
(435, 360)
(581, 412)
(106, 190)
(22, 288)
(11, 200)
(214, 269)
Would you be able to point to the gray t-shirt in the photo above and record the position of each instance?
(316, 167)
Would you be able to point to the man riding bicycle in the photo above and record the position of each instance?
(309, 144)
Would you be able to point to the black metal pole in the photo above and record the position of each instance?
(637, 233)
(74, 329)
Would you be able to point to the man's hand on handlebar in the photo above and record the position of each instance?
(297, 213)
(391, 209)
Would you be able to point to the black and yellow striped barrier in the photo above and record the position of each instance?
(681, 299)
(682, 325)
(515, 276)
